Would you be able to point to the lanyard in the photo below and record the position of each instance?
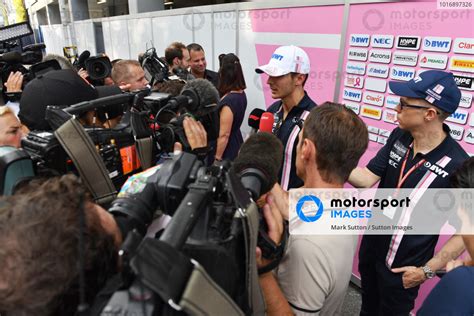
(402, 178)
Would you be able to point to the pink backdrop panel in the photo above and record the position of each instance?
(311, 20)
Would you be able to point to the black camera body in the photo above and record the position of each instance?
(116, 148)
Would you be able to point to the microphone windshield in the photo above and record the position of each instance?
(207, 95)
(254, 118)
(262, 152)
(266, 122)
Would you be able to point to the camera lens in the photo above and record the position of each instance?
(98, 67)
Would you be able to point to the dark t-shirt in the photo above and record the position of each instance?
(452, 296)
(237, 102)
(447, 157)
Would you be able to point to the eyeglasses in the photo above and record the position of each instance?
(402, 105)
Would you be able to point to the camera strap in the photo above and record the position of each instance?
(250, 221)
(79, 147)
(181, 282)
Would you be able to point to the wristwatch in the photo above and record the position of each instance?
(429, 274)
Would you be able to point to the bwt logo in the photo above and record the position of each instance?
(352, 94)
(401, 73)
(438, 44)
(359, 40)
(458, 116)
(277, 57)
(312, 205)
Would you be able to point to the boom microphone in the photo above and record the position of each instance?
(207, 95)
(266, 122)
(258, 163)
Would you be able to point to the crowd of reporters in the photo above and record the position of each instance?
(60, 250)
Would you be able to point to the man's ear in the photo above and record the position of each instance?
(308, 149)
(176, 61)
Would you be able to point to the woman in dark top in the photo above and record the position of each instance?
(232, 106)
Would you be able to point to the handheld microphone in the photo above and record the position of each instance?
(266, 122)
(254, 120)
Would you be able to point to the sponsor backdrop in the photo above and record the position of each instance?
(397, 41)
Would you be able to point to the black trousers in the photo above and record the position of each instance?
(382, 290)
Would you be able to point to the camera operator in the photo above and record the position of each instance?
(40, 235)
(129, 75)
(14, 85)
(60, 87)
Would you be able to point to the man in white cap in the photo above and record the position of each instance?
(288, 71)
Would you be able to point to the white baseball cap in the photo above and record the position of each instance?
(284, 60)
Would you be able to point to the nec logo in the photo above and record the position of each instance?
(382, 41)
(277, 57)
(437, 44)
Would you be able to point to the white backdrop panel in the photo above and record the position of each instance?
(119, 39)
(85, 37)
(224, 34)
(168, 29)
(203, 36)
(140, 36)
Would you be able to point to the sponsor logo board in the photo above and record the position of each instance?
(466, 100)
(380, 56)
(469, 138)
(462, 63)
(460, 117)
(355, 107)
(355, 68)
(456, 131)
(382, 41)
(402, 73)
(390, 116)
(354, 81)
(437, 44)
(464, 46)
(373, 98)
(408, 42)
(378, 85)
(371, 112)
(352, 94)
(357, 54)
(360, 40)
(433, 61)
(405, 58)
(377, 70)
(464, 82)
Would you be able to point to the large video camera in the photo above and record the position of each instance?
(98, 67)
(214, 222)
(15, 61)
(154, 116)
